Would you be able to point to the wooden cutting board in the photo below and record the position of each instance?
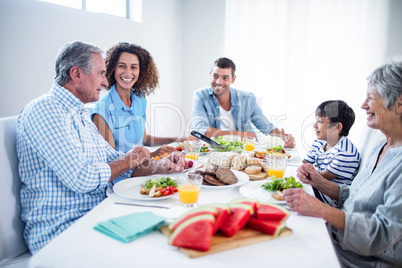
(256, 177)
(220, 242)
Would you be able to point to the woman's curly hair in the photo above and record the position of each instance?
(148, 79)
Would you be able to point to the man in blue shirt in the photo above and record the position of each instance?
(221, 110)
(64, 164)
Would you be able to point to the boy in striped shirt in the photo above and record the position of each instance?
(332, 153)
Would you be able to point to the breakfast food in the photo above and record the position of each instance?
(159, 187)
(196, 228)
(254, 161)
(217, 176)
(278, 195)
(226, 176)
(239, 162)
(278, 185)
(263, 154)
(222, 159)
(213, 180)
(253, 169)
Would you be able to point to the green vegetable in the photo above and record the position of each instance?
(276, 149)
(230, 146)
(162, 182)
(277, 184)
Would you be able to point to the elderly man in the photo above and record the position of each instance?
(64, 164)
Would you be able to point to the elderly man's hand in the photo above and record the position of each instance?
(137, 156)
(170, 164)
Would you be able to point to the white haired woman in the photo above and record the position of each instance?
(366, 228)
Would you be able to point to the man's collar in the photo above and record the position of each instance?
(66, 97)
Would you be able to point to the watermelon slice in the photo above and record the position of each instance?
(237, 219)
(244, 200)
(195, 233)
(190, 214)
(272, 212)
(274, 228)
(223, 213)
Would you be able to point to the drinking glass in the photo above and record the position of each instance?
(249, 144)
(189, 186)
(276, 165)
(192, 149)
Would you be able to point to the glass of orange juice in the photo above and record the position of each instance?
(192, 149)
(276, 165)
(189, 186)
(249, 144)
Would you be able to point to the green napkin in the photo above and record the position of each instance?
(130, 227)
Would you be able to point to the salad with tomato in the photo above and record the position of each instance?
(159, 187)
(204, 149)
(276, 149)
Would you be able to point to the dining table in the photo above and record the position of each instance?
(80, 245)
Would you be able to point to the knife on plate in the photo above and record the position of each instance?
(206, 139)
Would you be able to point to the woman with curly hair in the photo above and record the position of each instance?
(120, 115)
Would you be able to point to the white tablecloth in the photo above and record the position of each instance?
(82, 246)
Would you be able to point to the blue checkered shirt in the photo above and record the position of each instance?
(62, 165)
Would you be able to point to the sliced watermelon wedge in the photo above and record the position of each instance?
(274, 228)
(272, 212)
(195, 233)
(190, 214)
(237, 219)
(223, 213)
(245, 200)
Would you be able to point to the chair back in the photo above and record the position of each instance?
(369, 139)
(11, 226)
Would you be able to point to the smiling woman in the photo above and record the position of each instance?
(370, 208)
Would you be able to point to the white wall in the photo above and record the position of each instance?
(203, 33)
(32, 33)
(183, 36)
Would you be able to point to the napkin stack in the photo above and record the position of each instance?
(130, 227)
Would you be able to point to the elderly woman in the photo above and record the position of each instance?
(367, 228)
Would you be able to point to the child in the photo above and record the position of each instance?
(334, 155)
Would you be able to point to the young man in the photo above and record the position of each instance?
(64, 164)
(221, 110)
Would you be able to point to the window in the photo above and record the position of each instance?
(131, 9)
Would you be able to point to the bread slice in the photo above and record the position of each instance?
(253, 169)
(254, 161)
(239, 162)
(221, 159)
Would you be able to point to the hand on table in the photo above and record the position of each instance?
(137, 156)
(301, 202)
(170, 164)
(162, 150)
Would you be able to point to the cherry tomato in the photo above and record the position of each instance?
(260, 156)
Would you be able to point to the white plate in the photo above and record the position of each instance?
(130, 188)
(254, 190)
(242, 179)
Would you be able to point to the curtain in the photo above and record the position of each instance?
(295, 54)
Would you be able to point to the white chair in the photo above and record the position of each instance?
(369, 139)
(13, 250)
